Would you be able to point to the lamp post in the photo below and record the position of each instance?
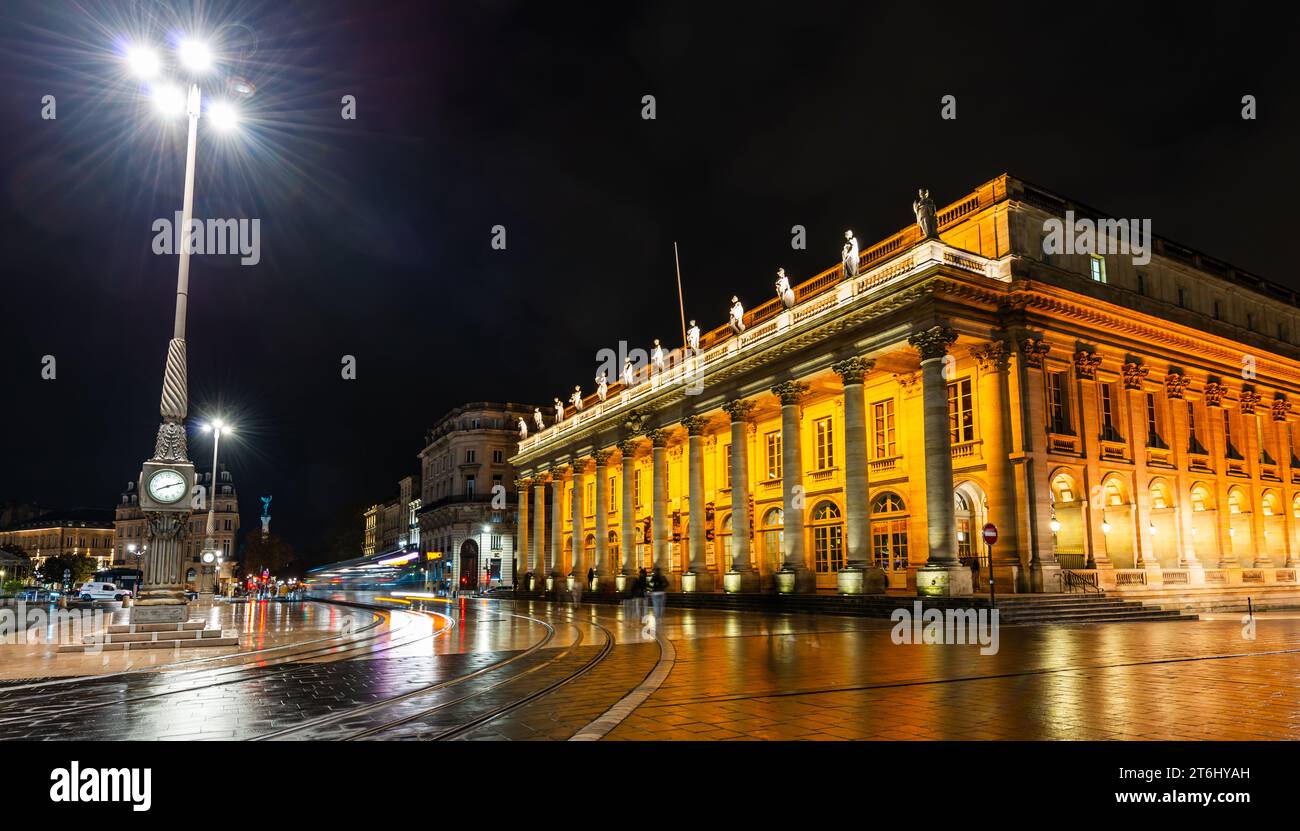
(167, 478)
(211, 558)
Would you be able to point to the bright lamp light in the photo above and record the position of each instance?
(195, 55)
(223, 115)
(168, 99)
(143, 62)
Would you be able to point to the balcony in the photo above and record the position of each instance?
(966, 450)
(1199, 462)
(886, 465)
(1114, 451)
(821, 298)
(1063, 443)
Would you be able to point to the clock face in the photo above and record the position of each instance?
(167, 486)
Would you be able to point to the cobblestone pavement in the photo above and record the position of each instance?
(491, 670)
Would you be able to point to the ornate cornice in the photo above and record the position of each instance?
(790, 392)
(1134, 374)
(1175, 385)
(853, 370)
(933, 343)
(1085, 364)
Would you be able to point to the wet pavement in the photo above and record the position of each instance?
(497, 669)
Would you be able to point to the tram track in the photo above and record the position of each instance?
(283, 665)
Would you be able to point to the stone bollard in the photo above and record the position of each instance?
(126, 602)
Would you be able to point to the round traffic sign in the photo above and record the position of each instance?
(990, 533)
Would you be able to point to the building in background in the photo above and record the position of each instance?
(129, 533)
(1125, 418)
(467, 511)
(73, 532)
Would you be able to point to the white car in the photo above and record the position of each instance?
(101, 591)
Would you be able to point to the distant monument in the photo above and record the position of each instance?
(266, 516)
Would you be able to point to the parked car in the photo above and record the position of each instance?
(101, 591)
(36, 594)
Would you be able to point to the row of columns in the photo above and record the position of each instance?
(942, 572)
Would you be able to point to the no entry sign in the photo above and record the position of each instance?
(990, 533)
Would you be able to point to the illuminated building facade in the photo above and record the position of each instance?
(69, 533)
(1125, 421)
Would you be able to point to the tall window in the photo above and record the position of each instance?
(613, 494)
(773, 455)
(726, 466)
(828, 539)
(882, 416)
(469, 485)
(636, 487)
(1097, 264)
(1153, 426)
(498, 457)
(591, 500)
(724, 540)
(773, 538)
(469, 456)
(961, 414)
(1109, 413)
(825, 443)
(889, 532)
(1227, 436)
(1058, 411)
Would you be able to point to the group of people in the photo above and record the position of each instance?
(653, 585)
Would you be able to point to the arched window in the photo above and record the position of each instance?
(1115, 493)
(889, 532)
(724, 541)
(614, 565)
(1237, 501)
(1160, 496)
(828, 538)
(774, 538)
(589, 551)
(1201, 499)
(1269, 505)
(963, 524)
(1064, 489)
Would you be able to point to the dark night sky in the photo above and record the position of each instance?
(376, 232)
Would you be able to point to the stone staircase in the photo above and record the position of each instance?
(1012, 609)
(125, 636)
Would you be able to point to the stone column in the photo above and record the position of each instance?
(604, 577)
(521, 524)
(627, 511)
(539, 533)
(659, 520)
(697, 577)
(1179, 440)
(557, 529)
(576, 571)
(794, 576)
(861, 575)
(942, 574)
(741, 575)
(1036, 486)
(993, 363)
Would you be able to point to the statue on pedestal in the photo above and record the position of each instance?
(923, 207)
(629, 374)
(523, 427)
(657, 357)
(849, 255)
(736, 318)
(783, 291)
(559, 411)
(576, 398)
(693, 336)
(602, 386)
(537, 419)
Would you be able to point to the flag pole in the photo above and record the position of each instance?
(681, 305)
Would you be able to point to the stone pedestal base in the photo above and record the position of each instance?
(737, 582)
(795, 581)
(149, 612)
(623, 582)
(944, 581)
(605, 584)
(861, 580)
(1045, 577)
(697, 581)
(1006, 578)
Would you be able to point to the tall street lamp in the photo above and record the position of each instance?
(167, 478)
(210, 556)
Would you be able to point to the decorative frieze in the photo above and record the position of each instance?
(933, 343)
(1085, 365)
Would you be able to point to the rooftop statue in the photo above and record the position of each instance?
(783, 291)
(737, 316)
(602, 385)
(923, 207)
(849, 255)
(537, 418)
